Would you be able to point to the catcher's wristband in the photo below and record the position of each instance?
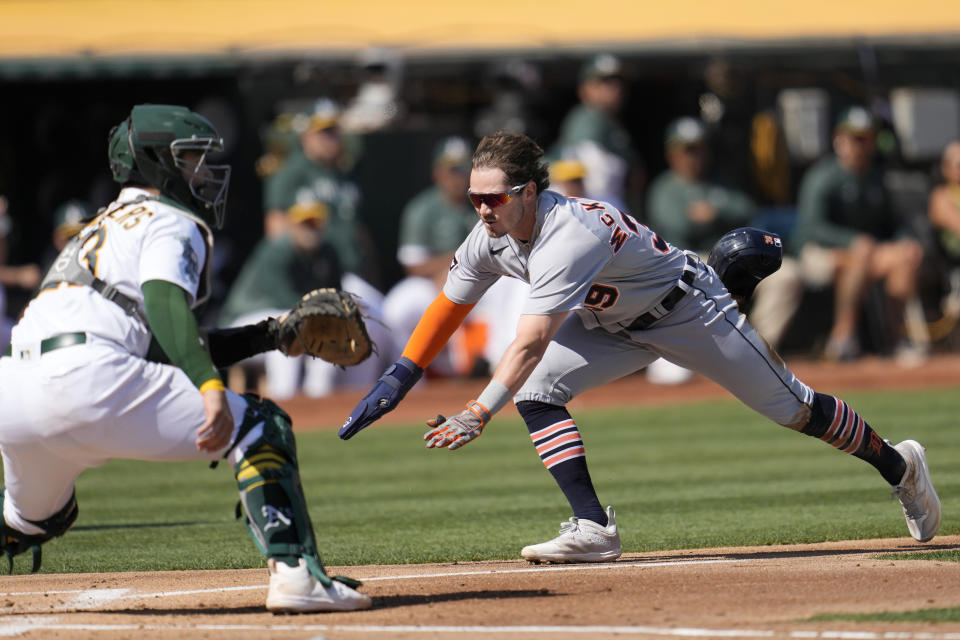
(214, 384)
(494, 397)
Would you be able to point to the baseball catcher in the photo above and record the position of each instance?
(119, 304)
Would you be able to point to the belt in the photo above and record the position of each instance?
(49, 344)
(670, 300)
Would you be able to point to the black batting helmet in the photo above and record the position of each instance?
(745, 256)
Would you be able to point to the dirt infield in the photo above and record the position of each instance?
(758, 592)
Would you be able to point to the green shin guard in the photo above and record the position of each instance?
(271, 495)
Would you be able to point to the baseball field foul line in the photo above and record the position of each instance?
(91, 598)
(26, 625)
(594, 567)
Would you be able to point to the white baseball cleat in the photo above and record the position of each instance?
(921, 505)
(579, 541)
(295, 590)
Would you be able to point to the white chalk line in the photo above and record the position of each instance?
(104, 595)
(25, 625)
(588, 567)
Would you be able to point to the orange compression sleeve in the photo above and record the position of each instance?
(436, 326)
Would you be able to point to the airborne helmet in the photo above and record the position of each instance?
(745, 256)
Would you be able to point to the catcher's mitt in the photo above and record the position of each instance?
(326, 324)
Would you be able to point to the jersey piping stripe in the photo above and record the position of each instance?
(567, 454)
(765, 357)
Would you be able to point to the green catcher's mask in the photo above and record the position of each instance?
(168, 147)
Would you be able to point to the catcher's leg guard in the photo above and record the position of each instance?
(13, 542)
(265, 465)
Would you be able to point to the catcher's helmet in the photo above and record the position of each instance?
(121, 156)
(745, 256)
(158, 139)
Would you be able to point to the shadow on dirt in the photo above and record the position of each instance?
(389, 602)
(181, 611)
(379, 602)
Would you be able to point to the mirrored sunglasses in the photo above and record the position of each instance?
(493, 200)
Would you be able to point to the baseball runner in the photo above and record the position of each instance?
(81, 383)
(607, 297)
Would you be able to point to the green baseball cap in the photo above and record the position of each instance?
(601, 66)
(323, 114)
(683, 131)
(856, 119)
(71, 216)
(453, 152)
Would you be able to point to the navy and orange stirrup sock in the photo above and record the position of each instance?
(836, 423)
(559, 446)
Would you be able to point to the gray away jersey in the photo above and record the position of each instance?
(584, 256)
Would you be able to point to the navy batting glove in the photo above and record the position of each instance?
(385, 395)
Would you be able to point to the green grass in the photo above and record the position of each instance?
(949, 555)
(951, 614)
(693, 475)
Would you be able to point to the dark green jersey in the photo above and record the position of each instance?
(835, 205)
(277, 275)
(668, 199)
(301, 180)
(586, 123)
(432, 226)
